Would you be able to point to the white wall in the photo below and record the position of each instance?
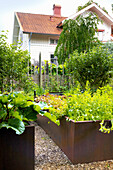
(41, 43)
(105, 34)
(25, 45)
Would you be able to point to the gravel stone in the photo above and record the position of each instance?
(48, 156)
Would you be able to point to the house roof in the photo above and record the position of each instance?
(94, 8)
(37, 23)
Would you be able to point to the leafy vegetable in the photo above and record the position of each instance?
(82, 106)
(16, 109)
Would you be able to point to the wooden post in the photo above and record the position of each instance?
(69, 84)
(44, 75)
(47, 73)
(40, 71)
(34, 67)
(57, 72)
(56, 61)
(50, 76)
(62, 77)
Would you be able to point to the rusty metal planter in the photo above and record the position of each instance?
(82, 142)
(17, 151)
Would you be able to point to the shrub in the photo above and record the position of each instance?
(94, 66)
(13, 67)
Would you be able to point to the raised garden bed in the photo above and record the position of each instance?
(56, 93)
(82, 142)
(17, 151)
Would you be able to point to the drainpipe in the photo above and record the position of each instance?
(29, 49)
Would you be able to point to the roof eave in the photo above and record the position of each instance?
(75, 15)
(25, 32)
(18, 21)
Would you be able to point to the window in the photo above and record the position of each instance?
(53, 41)
(100, 34)
(56, 41)
(53, 59)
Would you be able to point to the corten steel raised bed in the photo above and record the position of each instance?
(56, 93)
(82, 142)
(17, 151)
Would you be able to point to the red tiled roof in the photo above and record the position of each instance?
(42, 24)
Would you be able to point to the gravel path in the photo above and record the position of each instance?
(48, 156)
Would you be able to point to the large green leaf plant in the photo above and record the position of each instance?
(16, 109)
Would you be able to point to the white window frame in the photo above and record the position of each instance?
(55, 41)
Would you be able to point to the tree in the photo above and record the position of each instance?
(13, 66)
(77, 34)
(94, 66)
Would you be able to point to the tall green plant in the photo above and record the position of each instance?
(13, 65)
(78, 34)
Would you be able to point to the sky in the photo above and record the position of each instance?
(8, 7)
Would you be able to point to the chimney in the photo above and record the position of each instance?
(57, 10)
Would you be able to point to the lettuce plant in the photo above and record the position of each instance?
(16, 110)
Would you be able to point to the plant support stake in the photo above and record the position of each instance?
(40, 71)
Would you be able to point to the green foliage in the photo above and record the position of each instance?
(28, 85)
(56, 86)
(13, 66)
(84, 6)
(51, 101)
(89, 3)
(77, 34)
(81, 106)
(94, 66)
(108, 45)
(52, 118)
(16, 109)
(84, 106)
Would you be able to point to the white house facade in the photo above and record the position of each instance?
(40, 33)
